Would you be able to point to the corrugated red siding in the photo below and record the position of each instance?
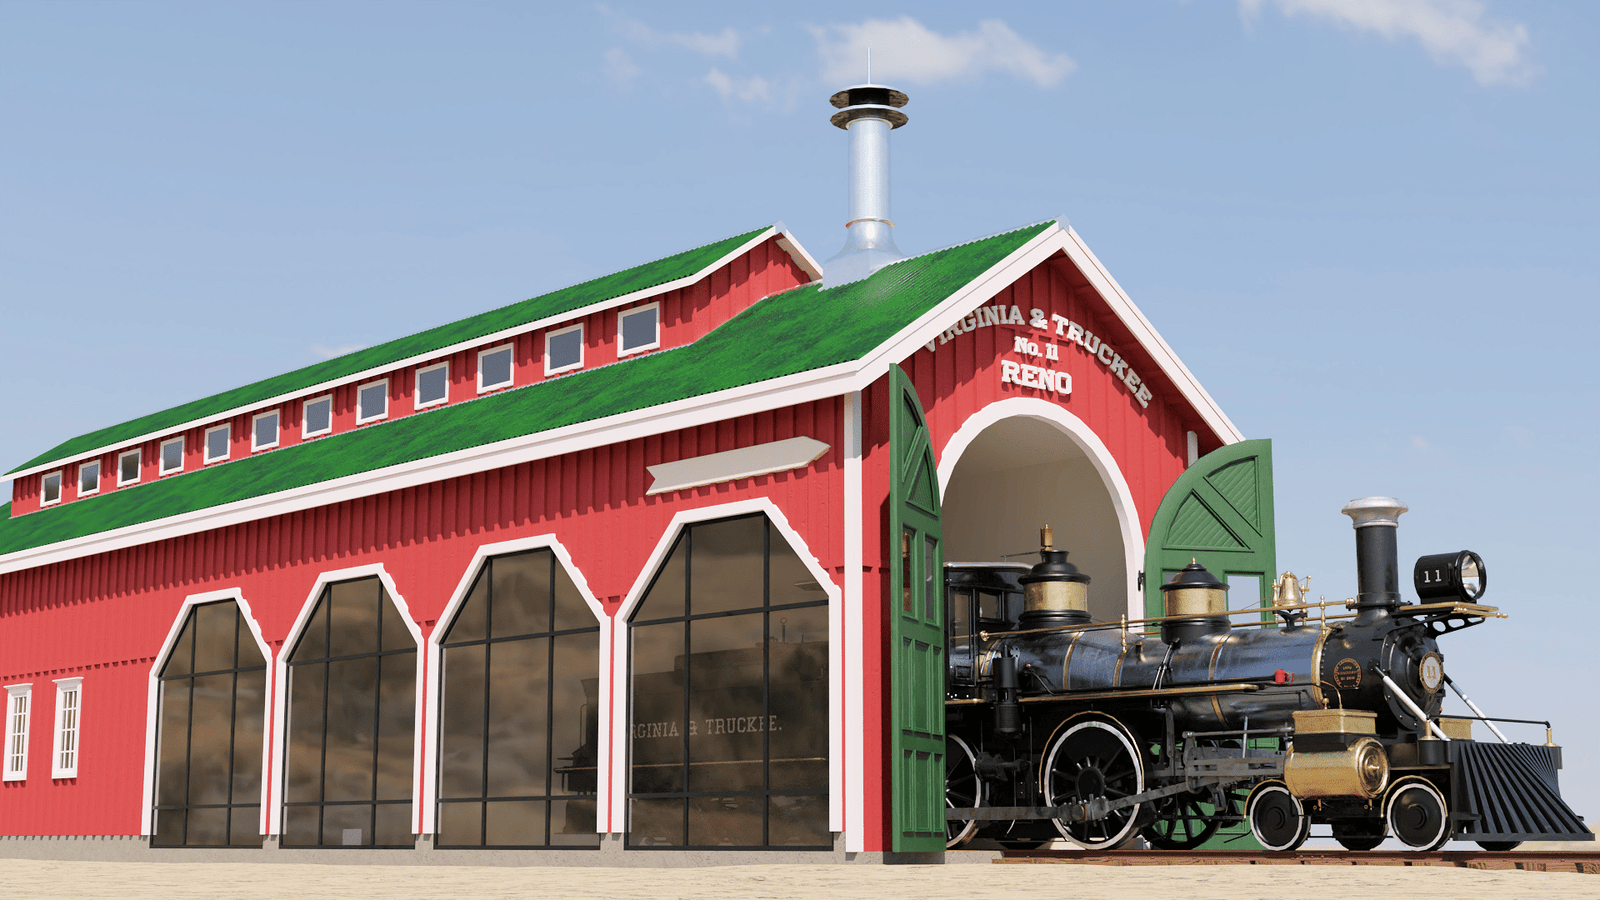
(106, 616)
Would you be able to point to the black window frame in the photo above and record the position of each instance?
(550, 635)
(386, 607)
(242, 638)
(685, 539)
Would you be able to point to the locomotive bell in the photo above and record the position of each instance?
(1054, 592)
(1194, 592)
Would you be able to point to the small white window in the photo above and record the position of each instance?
(218, 440)
(639, 329)
(264, 431)
(494, 368)
(50, 489)
(563, 349)
(372, 402)
(318, 417)
(69, 707)
(172, 456)
(88, 478)
(18, 698)
(129, 466)
(433, 385)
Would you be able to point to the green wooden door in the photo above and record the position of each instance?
(916, 629)
(1220, 513)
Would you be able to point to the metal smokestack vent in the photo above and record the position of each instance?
(1377, 556)
(869, 112)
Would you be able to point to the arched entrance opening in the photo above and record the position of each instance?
(1021, 464)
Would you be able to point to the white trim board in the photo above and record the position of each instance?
(787, 243)
(731, 465)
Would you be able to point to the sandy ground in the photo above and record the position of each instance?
(21, 878)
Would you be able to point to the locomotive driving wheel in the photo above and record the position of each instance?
(1095, 758)
(1185, 821)
(963, 789)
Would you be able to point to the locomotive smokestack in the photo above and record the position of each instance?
(869, 112)
(1376, 520)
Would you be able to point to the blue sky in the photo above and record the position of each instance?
(1369, 228)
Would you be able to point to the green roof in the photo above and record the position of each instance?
(796, 331)
(555, 303)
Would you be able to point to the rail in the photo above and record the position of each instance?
(1582, 861)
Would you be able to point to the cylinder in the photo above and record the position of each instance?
(1359, 770)
(1376, 519)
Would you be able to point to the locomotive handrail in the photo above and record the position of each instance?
(1122, 624)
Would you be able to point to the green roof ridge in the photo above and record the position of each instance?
(797, 330)
(553, 303)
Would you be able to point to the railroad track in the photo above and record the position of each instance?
(1587, 862)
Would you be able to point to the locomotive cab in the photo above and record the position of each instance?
(979, 598)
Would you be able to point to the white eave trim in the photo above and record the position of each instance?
(786, 241)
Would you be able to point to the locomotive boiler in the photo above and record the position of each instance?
(1174, 726)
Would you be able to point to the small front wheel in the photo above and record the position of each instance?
(1276, 817)
(1417, 814)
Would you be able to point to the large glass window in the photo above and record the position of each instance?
(208, 738)
(729, 727)
(352, 696)
(520, 719)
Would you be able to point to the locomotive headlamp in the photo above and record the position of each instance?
(1451, 576)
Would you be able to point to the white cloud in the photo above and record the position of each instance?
(1451, 30)
(724, 43)
(904, 50)
(331, 352)
(1418, 442)
(619, 66)
(749, 89)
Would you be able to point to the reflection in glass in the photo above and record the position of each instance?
(520, 710)
(208, 738)
(352, 697)
(729, 730)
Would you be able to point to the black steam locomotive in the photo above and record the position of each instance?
(1100, 732)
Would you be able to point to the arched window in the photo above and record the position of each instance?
(352, 711)
(729, 735)
(211, 706)
(519, 711)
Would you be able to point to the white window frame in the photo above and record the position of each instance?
(416, 393)
(67, 726)
(138, 471)
(16, 731)
(61, 487)
(625, 351)
(95, 464)
(510, 370)
(362, 420)
(205, 446)
(305, 405)
(557, 333)
(277, 432)
(161, 458)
